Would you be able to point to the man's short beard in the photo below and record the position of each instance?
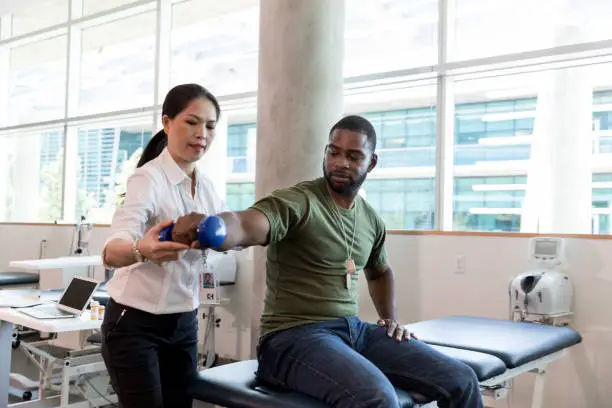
(349, 189)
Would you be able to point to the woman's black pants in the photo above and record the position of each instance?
(150, 358)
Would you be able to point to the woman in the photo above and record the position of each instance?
(150, 327)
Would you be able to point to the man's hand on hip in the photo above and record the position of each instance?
(395, 330)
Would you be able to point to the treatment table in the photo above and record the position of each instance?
(57, 272)
(497, 350)
(67, 371)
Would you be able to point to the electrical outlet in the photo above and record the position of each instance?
(460, 264)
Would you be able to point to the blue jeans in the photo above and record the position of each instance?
(349, 363)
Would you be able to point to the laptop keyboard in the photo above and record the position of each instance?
(51, 311)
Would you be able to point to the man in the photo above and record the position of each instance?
(321, 235)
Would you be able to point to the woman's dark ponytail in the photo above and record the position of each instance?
(154, 148)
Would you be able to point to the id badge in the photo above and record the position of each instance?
(350, 271)
(208, 286)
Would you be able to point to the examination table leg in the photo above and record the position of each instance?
(538, 390)
(6, 348)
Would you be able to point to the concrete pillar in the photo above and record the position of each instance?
(300, 96)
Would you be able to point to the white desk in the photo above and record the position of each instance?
(63, 262)
(10, 317)
(68, 266)
(15, 317)
(56, 273)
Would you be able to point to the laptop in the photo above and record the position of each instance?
(72, 303)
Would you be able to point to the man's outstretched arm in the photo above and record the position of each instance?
(244, 229)
(267, 221)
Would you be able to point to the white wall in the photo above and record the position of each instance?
(427, 287)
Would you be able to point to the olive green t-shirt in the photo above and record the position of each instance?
(309, 243)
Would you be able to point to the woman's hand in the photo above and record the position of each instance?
(159, 251)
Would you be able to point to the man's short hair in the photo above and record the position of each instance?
(356, 123)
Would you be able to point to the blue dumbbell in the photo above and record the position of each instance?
(166, 233)
(211, 232)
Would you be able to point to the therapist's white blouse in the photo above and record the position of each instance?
(158, 191)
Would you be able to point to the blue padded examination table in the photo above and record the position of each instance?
(497, 351)
(11, 279)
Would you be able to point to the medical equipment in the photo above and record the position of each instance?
(82, 231)
(224, 266)
(543, 294)
(497, 351)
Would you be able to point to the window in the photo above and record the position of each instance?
(37, 82)
(406, 138)
(402, 203)
(241, 148)
(602, 122)
(488, 203)
(537, 125)
(485, 28)
(215, 44)
(492, 124)
(44, 14)
(602, 203)
(397, 34)
(117, 65)
(240, 191)
(240, 196)
(401, 187)
(531, 138)
(105, 157)
(31, 176)
(493, 131)
(96, 6)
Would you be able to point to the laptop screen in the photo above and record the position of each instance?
(77, 293)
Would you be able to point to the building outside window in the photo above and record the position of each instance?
(407, 138)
